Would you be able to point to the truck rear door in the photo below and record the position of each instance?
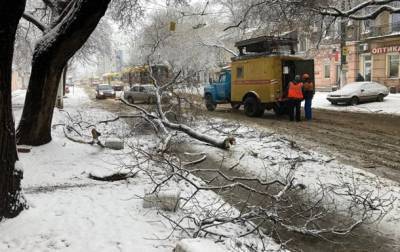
(305, 66)
(291, 68)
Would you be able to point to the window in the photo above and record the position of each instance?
(393, 66)
(222, 78)
(367, 25)
(239, 73)
(395, 22)
(302, 47)
(327, 71)
(337, 73)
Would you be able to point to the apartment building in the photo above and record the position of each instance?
(372, 50)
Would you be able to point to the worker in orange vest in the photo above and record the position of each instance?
(308, 93)
(295, 96)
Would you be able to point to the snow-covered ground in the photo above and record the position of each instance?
(390, 105)
(70, 212)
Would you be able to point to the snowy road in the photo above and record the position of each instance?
(369, 141)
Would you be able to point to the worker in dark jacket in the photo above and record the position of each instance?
(308, 93)
(295, 96)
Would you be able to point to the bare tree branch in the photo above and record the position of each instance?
(30, 18)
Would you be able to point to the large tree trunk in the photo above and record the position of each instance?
(11, 202)
(51, 55)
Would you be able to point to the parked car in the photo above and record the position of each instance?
(104, 91)
(118, 87)
(356, 92)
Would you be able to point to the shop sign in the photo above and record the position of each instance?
(388, 49)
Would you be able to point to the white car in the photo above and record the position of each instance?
(356, 92)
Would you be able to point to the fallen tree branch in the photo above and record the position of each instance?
(219, 143)
(113, 177)
(82, 141)
(197, 161)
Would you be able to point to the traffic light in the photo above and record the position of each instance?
(172, 26)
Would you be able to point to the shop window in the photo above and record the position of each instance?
(239, 73)
(327, 71)
(393, 62)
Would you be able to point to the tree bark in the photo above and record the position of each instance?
(51, 55)
(11, 201)
(65, 71)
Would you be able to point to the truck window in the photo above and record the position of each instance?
(239, 73)
(222, 78)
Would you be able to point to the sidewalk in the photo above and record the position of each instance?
(390, 105)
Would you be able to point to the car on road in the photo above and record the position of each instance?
(145, 94)
(141, 93)
(104, 91)
(356, 92)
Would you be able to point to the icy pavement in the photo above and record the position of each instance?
(70, 212)
(390, 105)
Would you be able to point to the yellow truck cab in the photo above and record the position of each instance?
(259, 76)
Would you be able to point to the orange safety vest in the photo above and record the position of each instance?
(295, 91)
(308, 86)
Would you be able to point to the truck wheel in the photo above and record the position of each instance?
(130, 100)
(261, 110)
(210, 103)
(251, 107)
(278, 109)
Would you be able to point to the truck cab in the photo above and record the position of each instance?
(218, 92)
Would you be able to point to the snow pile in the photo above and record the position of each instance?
(198, 245)
(390, 105)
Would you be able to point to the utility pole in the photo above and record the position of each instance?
(343, 54)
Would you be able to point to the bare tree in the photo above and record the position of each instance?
(70, 29)
(11, 201)
(360, 10)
